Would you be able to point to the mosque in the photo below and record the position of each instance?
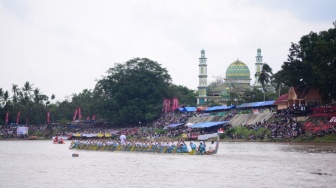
(237, 81)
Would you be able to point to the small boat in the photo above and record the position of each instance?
(59, 137)
(145, 149)
(59, 142)
(32, 138)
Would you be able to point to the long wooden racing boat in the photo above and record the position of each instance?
(115, 146)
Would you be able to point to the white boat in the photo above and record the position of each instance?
(63, 137)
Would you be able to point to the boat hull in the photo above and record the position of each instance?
(148, 149)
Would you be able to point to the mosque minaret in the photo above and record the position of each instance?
(258, 66)
(202, 79)
(237, 80)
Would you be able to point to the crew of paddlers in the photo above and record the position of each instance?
(143, 146)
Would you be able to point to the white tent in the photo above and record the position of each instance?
(189, 124)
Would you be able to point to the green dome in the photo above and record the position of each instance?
(237, 70)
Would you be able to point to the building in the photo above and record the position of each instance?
(296, 97)
(202, 79)
(237, 80)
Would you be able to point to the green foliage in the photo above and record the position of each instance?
(133, 91)
(160, 131)
(186, 96)
(312, 64)
(253, 95)
(245, 133)
(265, 75)
(262, 132)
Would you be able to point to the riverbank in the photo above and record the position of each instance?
(303, 138)
(300, 139)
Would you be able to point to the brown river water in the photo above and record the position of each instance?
(237, 164)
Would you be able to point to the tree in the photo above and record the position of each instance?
(133, 91)
(27, 88)
(312, 64)
(265, 76)
(185, 96)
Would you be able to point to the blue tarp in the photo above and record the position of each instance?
(174, 125)
(256, 104)
(187, 109)
(208, 124)
(215, 108)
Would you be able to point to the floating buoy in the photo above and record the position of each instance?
(75, 155)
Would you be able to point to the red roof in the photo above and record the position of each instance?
(301, 94)
(282, 98)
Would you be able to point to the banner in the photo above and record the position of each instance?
(79, 113)
(7, 117)
(75, 115)
(168, 105)
(48, 117)
(206, 136)
(175, 103)
(18, 117)
(22, 130)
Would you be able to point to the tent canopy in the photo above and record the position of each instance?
(216, 108)
(208, 124)
(187, 109)
(256, 104)
(174, 125)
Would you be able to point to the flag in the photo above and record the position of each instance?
(7, 117)
(48, 117)
(175, 103)
(75, 115)
(168, 105)
(18, 117)
(94, 117)
(164, 106)
(79, 113)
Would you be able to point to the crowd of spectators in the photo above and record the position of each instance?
(284, 125)
(170, 118)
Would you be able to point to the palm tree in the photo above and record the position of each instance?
(37, 95)
(2, 101)
(265, 76)
(15, 90)
(27, 88)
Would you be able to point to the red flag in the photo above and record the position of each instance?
(175, 103)
(79, 113)
(168, 105)
(164, 110)
(75, 114)
(7, 117)
(48, 117)
(18, 117)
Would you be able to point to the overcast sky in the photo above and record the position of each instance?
(63, 47)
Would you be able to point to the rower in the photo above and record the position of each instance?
(212, 148)
(201, 148)
(56, 139)
(192, 145)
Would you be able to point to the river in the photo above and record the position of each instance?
(237, 164)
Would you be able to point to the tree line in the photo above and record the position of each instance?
(133, 91)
